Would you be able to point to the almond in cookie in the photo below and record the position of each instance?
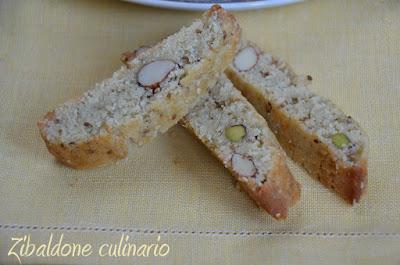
(141, 101)
(314, 132)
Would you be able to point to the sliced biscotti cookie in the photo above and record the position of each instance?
(229, 126)
(146, 99)
(330, 145)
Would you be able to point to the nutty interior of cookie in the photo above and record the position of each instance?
(128, 95)
(288, 92)
(227, 121)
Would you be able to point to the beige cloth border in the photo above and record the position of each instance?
(51, 51)
(222, 249)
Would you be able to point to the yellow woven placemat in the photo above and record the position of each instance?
(51, 51)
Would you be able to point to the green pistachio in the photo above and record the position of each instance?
(235, 133)
(340, 140)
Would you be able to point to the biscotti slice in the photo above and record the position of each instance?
(330, 145)
(229, 126)
(142, 101)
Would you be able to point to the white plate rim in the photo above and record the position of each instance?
(204, 6)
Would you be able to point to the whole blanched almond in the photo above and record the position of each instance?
(152, 74)
(245, 59)
(243, 165)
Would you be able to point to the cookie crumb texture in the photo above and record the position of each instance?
(145, 99)
(313, 131)
(240, 138)
(223, 109)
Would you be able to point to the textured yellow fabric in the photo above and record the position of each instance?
(51, 51)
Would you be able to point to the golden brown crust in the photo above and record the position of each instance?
(278, 193)
(348, 181)
(352, 182)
